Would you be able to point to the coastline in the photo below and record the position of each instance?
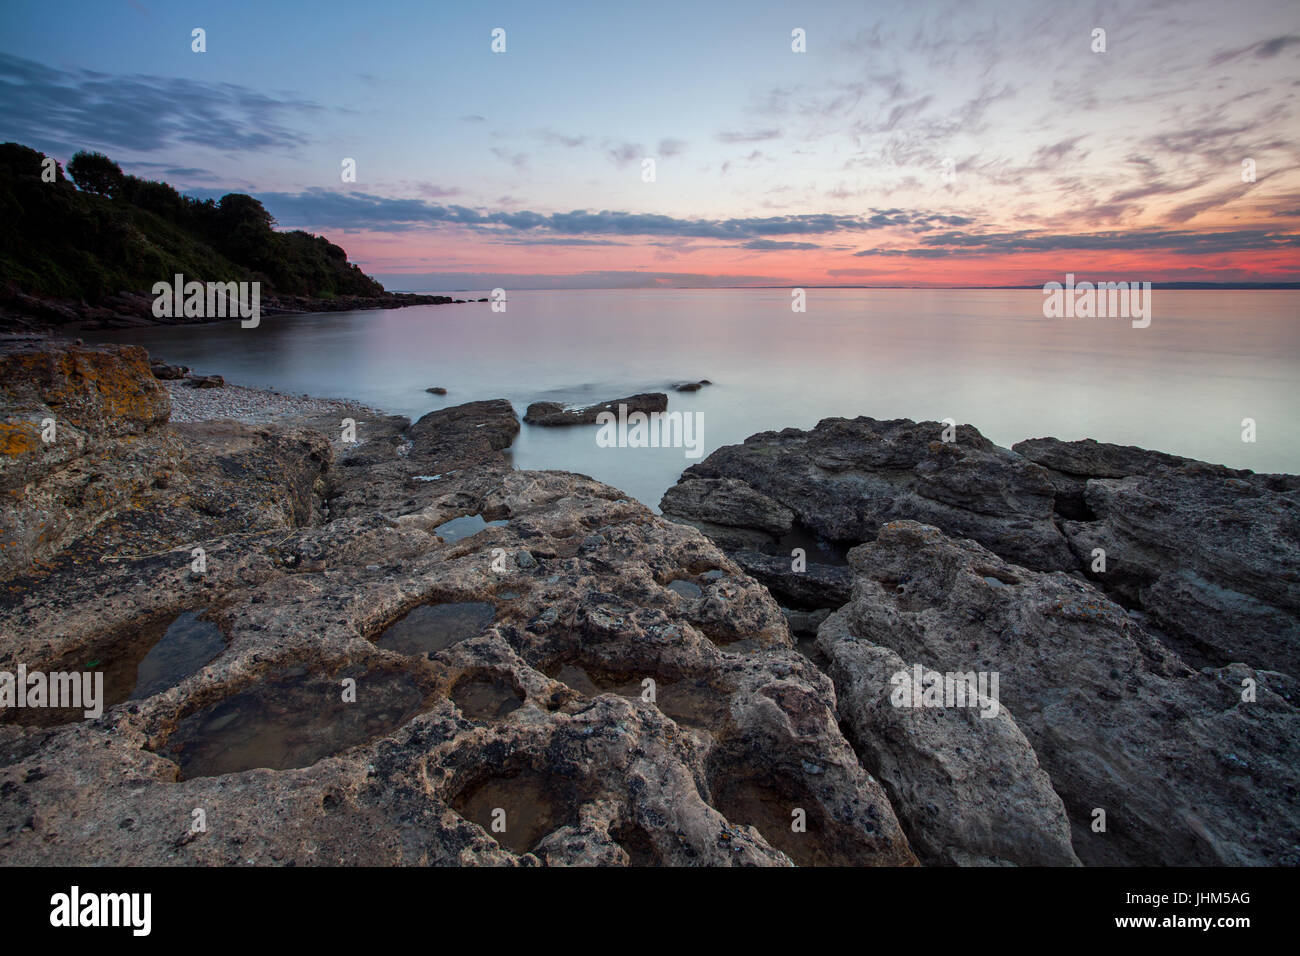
(499, 621)
(20, 312)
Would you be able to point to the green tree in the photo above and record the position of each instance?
(95, 173)
(155, 197)
(18, 160)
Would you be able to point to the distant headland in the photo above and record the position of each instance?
(82, 249)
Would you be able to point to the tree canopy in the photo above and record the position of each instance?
(95, 173)
(116, 233)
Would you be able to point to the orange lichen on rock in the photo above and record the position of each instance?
(18, 438)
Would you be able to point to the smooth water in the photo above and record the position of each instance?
(1208, 360)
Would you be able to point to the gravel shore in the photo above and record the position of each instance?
(261, 406)
(254, 406)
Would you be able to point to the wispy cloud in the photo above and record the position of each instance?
(69, 109)
(1264, 49)
(325, 208)
(772, 245)
(1184, 242)
(560, 139)
(516, 159)
(752, 136)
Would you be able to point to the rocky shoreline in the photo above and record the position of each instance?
(535, 650)
(20, 312)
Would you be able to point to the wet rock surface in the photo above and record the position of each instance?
(553, 414)
(816, 586)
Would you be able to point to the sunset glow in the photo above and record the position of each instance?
(977, 144)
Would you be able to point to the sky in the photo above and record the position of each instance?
(917, 144)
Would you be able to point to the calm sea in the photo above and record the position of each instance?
(1183, 385)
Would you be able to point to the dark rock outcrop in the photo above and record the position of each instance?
(816, 586)
(27, 313)
(1187, 767)
(168, 373)
(1210, 554)
(846, 478)
(553, 414)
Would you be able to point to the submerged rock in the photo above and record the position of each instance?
(554, 413)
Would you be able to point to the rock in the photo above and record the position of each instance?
(539, 708)
(1071, 464)
(1094, 459)
(436, 390)
(1186, 772)
(1212, 558)
(554, 414)
(847, 477)
(1209, 554)
(727, 501)
(106, 392)
(967, 787)
(168, 373)
(817, 586)
(95, 407)
(691, 386)
(805, 622)
(207, 381)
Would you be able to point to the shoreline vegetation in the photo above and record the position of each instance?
(84, 256)
(496, 622)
